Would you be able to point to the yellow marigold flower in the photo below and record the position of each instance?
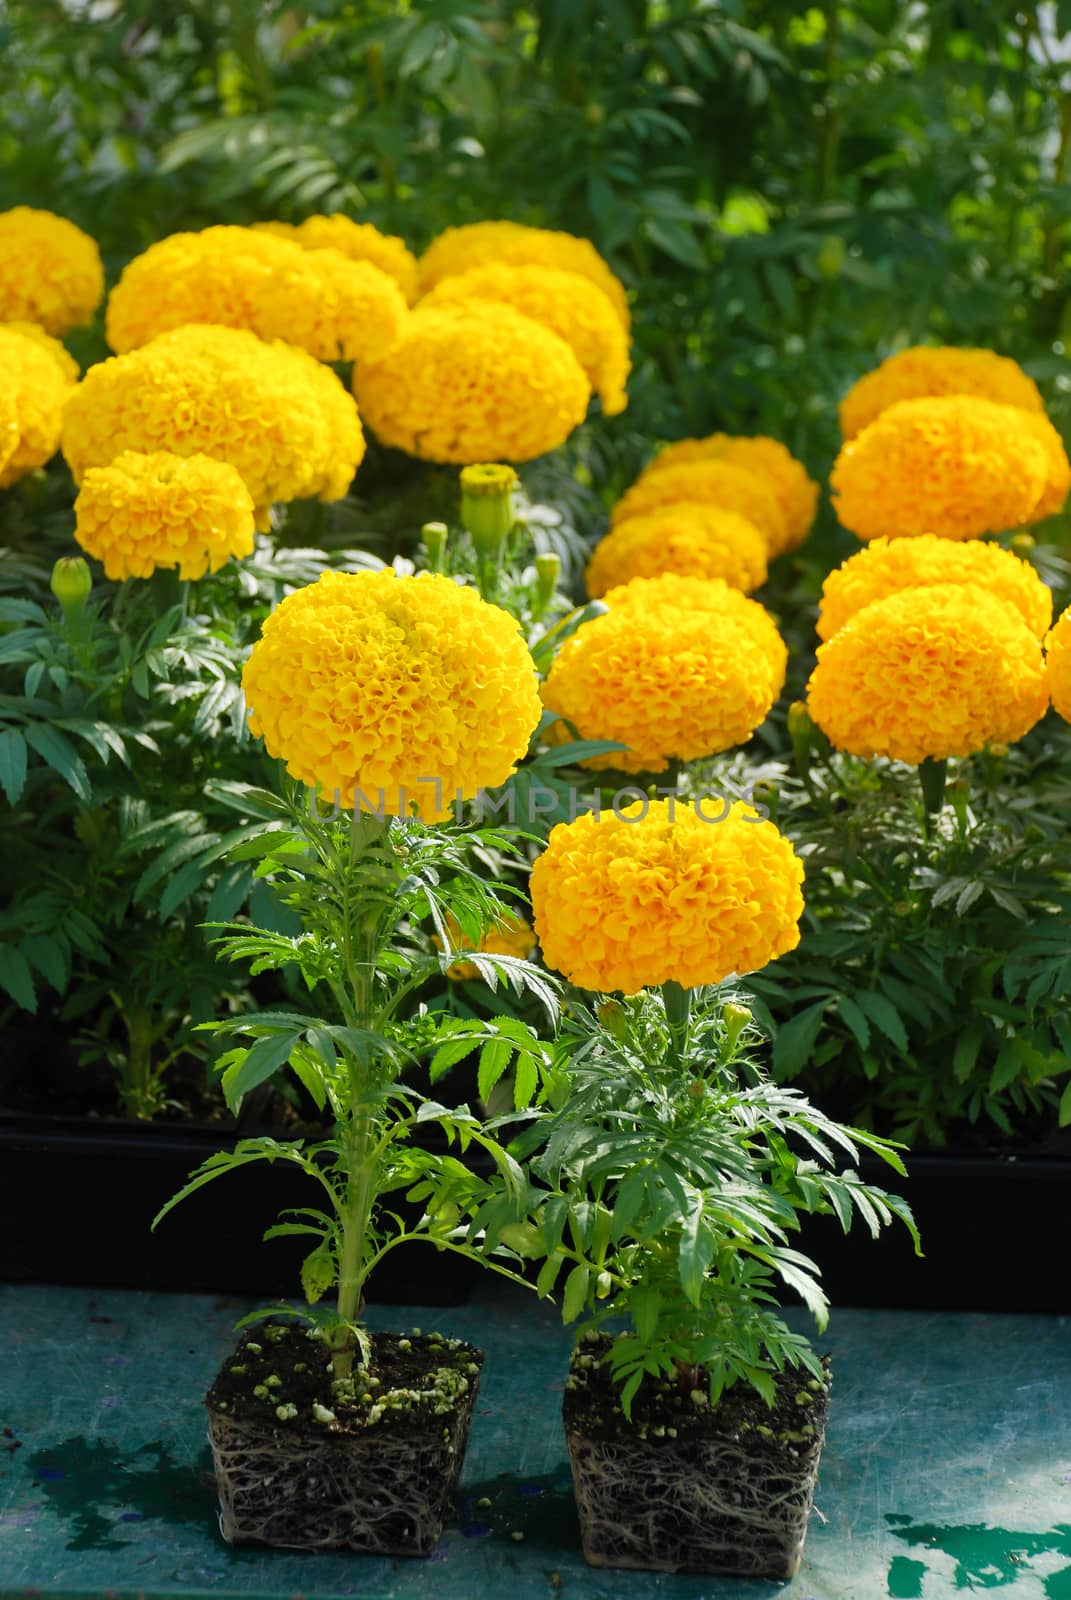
(410, 689)
(283, 420)
(334, 308)
(359, 241)
(886, 566)
(473, 382)
(688, 538)
(162, 510)
(1058, 468)
(1058, 665)
(769, 459)
(926, 372)
(476, 243)
(678, 667)
(713, 483)
(931, 672)
(569, 305)
(50, 271)
(658, 894)
(9, 427)
(512, 936)
(955, 466)
(37, 375)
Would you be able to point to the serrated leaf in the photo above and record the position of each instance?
(318, 1272)
(16, 977)
(57, 752)
(495, 1057)
(12, 764)
(884, 1015)
(255, 1066)
(576, 1293)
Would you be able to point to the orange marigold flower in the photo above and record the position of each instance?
(569, 305)
(955, 466)
(50, 271)
(677, 668)
(1058, 665)
(887, 566)
(161, 510)
(476, 243)
(689, 538)
(38, 377)
(385, 689)
(929, 673)
(359, 241)
(283, 420)
(796, 492)
(926, 372)
(713, 483)
(1058, 468)
(656, 894)
(510, 936)
(334, 308)
(473, 382)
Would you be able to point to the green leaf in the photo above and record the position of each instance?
(254, 1066)
(12, 764)
(16, 978)
(57, 752)
(795, 1040)
(695, 1251)
(495, 1057)
(526, 1079)
(576, 1293)
(318, 1272)
(1064, 1111)
(965, 1054)
(884, 1015)
(855, 1020)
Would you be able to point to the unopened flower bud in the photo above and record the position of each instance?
(434, 535)
(736, 1019)
(1023, 542)
(71, 583)
(697, 1088)
(548, 570)
(613, 1018)
(487, 504)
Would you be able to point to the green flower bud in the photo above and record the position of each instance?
(614, 1019)
(487, 504)
(736, 1019)
(548, 570)
(434, 535)
(71, 583)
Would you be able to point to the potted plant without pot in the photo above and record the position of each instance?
(677, 1173)
(323, 1434)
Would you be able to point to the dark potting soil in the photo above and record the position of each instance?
(591, 1406)
(280, 1377)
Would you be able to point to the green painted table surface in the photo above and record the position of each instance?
(947, 1467)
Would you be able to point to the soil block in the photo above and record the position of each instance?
(371, 1464)
(686, 1487)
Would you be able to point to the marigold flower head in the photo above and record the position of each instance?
(1058, 468)
(1058, 665)
(569, 305)
(926, 372)
(334, 308)
(359, 241)
(476, 243)
(283, 420)
(677, 667)
(657, 894)
(955, 466)
(50, 271)
(769, 459)
(473, 382)
(372, 684)
(689, 538)
(887, 566)
(9, 427)
(162, 510)
(929, 673)
(714, 483)
(37, 376)
(511, 936)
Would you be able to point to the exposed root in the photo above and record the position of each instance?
(697, 1506)
(379, 1492)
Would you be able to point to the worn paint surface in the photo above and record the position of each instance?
(947, 1469)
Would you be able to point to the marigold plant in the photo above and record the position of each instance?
(887, 566)
(372, 685)
(283, 420)
(359, 241)
(569, 305)
(689, 538)
(334, 308)
(955, 466)
(678, 668)
(929, 673)
(50, 271)
(769, 459)
(476, 243)
(658, 894)
(1058, 665)
(714, 483)
(473, 382)
(163, 510)
(925, 372)
(38, 375)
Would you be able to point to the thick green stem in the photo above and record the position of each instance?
(137, 1087)
(355, 1221)
(932, 775)
(678, 1003)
